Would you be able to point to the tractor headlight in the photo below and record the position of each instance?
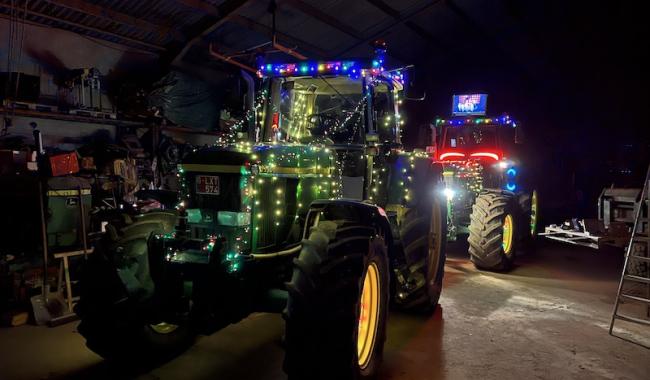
(449, 193)
(504, 164)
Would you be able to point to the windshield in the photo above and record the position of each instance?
(329, 109)
(470, 137)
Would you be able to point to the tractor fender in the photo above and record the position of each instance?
(427, 183)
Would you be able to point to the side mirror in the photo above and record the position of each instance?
(413, 95)
(432, 148)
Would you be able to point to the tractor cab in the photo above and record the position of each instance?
(337, 102)
(476, 138)
(480, 155)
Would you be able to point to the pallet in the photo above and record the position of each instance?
(585, 239)
(18, 105)
(93, 114)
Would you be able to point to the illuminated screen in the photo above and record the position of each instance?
(471, 104)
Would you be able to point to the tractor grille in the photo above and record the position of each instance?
(274, 229)
(266, 225)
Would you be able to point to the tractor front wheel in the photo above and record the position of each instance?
(338, 304)
(493, 231)
(423, 234)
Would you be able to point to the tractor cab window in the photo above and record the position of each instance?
(384, 109)
(471, 137)
(314, 110)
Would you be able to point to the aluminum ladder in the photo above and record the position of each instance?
(634, 285)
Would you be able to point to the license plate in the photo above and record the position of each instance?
(207, 184)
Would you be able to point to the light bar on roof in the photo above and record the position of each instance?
(352, 68)
(503, 120)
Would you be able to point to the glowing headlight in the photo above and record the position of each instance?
(503, 165)
(449, 193)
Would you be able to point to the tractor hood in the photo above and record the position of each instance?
(216, 156)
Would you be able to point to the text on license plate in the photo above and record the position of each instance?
(207, 184)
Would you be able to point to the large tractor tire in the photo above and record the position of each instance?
(136, 341)
(115, 309)
(423, 234)
(338, 304)
(493, 231)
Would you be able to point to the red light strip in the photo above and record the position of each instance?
(451, 154)
(486, 154)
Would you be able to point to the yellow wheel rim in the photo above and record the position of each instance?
(507, 234)
(164, 327)
(368, 315)
(533, 213)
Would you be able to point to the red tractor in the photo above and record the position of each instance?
(489, 195)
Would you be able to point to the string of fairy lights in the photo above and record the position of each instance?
(319, 169)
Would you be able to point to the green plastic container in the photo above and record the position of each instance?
(64, 211)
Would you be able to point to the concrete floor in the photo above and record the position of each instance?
(546, 319)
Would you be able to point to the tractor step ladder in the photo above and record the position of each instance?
(634, 286)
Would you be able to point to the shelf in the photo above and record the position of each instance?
(67, 117)
(190, 131)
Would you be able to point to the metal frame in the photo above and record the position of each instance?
(584, 239)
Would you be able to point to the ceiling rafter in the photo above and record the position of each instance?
(413, 26)
(226, 11)
(105, 13)
(201, 6)
(88, 28)
(261, 28)
(333, 22)
(41, 25)
(323, 17)
(397, 21)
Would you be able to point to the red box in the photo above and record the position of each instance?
(63, 164)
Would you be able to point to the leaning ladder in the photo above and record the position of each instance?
(634, 286)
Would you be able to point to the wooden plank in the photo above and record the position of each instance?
(73, 253)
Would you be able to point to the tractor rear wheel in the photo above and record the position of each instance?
(338, 304)
(493, 231)
(119, 326)
(129, 339)
(423, 234)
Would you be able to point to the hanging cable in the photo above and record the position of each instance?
(20, 48)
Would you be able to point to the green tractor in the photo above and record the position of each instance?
(311, 209)
(490, 197)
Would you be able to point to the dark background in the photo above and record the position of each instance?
(580, 94)
(573, 73)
